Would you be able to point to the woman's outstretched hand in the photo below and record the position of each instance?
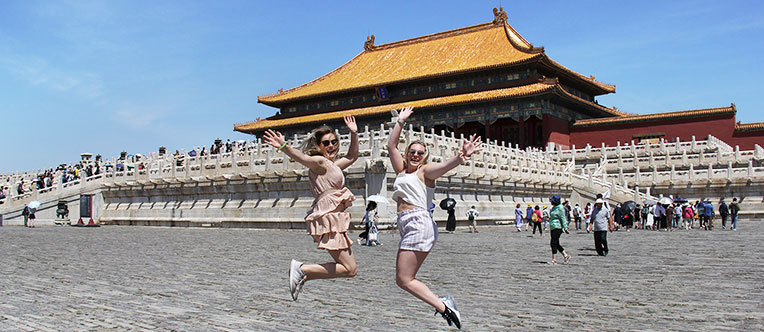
(350, 123)
(274, 138)
(471, 146)
(405, 113)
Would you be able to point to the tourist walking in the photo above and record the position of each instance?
(25, 213)
(670, 217)
(537, 219)
(369, 221)
(602, 222)
(577, 213)
(568, 209)
(327, 221)
(700, 214)
(472, 215)
(687, 216)
(528, 216)
(587, 215)
(649, 216)
(708, 210)
(557, 225)
(414, 188)
(617, 216)
(734, 209)
(518, 217)
(660, 216)
(451, 221)
(723, 212)
(545, 216)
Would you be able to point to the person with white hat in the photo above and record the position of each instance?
(602, 222)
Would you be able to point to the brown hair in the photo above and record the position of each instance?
(312, 146)
(426, 153)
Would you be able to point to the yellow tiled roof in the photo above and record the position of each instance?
(655, 116)
(754, 126)
(520, 91)
(477, 47)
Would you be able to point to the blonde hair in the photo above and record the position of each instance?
(426, 153)
(312, 145)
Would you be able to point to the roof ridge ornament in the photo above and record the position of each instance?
(548, 80)
(369, 44)
(499, 16)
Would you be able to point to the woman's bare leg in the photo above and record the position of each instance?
(406, 267)
(344, 266)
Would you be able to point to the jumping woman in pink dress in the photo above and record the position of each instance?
(414, 188)
(327, 220)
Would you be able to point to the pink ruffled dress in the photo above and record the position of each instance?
(327, 220)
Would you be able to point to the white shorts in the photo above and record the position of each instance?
(418, 231)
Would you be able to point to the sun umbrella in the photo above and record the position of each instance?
(665, 200)
(447, 203)
(33, 204)
(649, 202)
(379, 199)
(628, 206)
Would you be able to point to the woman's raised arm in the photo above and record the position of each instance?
(395, 135)
(276, 139)
(434, 171)
(352, 154)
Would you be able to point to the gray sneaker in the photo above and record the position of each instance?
(296, 278)
(451, 314)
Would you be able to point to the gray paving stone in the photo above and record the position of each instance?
(183, 279)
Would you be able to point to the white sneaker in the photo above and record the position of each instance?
(451, 314)
(296, 278)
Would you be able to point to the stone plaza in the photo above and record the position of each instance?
(199, 279)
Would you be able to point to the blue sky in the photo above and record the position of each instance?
(108, 76)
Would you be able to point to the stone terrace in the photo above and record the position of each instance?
(192, 279)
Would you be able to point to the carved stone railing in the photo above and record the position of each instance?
(495, 162)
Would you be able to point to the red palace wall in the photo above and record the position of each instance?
(746, 140)
(556, 131)
(722, 127)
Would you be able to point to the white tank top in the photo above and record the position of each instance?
(408, 187)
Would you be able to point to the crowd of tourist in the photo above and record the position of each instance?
(22, 184)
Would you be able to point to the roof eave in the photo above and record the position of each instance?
(280, 103)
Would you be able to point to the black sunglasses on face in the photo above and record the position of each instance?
(327, 142)
(417, 152)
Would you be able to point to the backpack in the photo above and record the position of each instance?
(534, 217)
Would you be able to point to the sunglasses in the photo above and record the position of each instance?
(327, 142)
(417, 152)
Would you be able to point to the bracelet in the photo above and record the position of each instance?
(401, 122)
(461, 155)
(282, 146)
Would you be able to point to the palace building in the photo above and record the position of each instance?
(488, 80)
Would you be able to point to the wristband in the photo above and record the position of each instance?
(282, 146)
(401, 122)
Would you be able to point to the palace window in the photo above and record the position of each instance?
(450, 85)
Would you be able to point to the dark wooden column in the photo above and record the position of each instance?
(521, 134)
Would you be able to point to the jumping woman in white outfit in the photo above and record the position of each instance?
(414, 188)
